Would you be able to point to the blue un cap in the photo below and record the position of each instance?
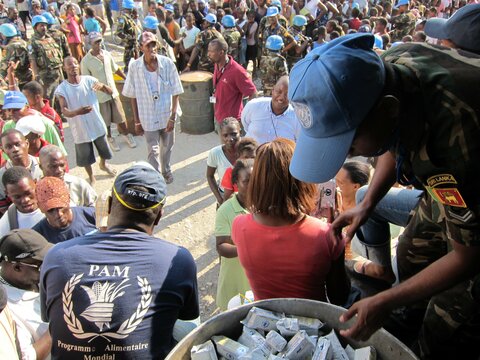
(463, 28)
(14, 100)
(332, 90)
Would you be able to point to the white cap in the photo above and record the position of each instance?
(31, 124)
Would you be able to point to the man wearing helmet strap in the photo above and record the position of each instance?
(201, 45)
(274, 27)
(127, 31)
(232, 36)
(54, 31)
(16, 51)
(297, 31)
(273, 65)
(46, 58)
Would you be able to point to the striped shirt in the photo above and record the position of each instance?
(153, 114)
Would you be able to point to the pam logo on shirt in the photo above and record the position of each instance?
(102, 296)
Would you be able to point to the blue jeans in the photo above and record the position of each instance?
(372, 240)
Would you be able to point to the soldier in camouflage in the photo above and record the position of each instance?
(201, 45)
(54, 31)
(417, 107)
(273, 65)
(232, 36)
(46, 58)
(300, 50)
(404, 23)
(16, 51)
(128, 32)
(273, 27)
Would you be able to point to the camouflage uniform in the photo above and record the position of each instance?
(61, 40)
(127, 31)
(46, 53)
(277, 30)
(263, 23)
(439, 150)
(260, 31)
(272, 67)
(201, 43)
(17, 50)
(232, 37)
(403, 25)
(292, 56)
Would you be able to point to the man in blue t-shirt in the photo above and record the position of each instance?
(118, 294)
(61, 221)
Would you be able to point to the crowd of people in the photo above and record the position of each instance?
(298, 87)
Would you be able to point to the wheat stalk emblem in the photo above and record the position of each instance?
(101, 298)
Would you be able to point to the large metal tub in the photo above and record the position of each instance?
(228, 323)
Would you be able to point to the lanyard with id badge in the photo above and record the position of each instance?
(213, 99)
(154, 86)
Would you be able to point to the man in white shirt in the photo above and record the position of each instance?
(24, 212)
(79, 104)
(154, 85)
(21, 255)
(266, 119)
(53, 163)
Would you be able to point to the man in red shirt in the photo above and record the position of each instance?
(231, 83)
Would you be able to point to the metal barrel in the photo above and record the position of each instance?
(228, 324)
(197, 111)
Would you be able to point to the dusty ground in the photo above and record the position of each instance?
(190, 211)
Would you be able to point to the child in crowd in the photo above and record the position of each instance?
(251, 33)
(246, 149)
(232, 279)
(33, 91)
(222, 157)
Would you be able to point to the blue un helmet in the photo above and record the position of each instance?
(228, 21)
(272, 11)
(277, 4)
(128, 4)
(8, 30)
(299, 20)
(212, 19)
(150, 22)
(274, 43)
(50, 19)
(39, 19)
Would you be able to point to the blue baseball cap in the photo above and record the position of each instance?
(332, 90)
(140, 174)
(401, 3)
(463, 28)
(14, 100)
(169, 8)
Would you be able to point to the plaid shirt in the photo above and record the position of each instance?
(153, 114)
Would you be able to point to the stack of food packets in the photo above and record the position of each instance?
(267, 335)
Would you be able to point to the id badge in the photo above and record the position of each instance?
(213, 100)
